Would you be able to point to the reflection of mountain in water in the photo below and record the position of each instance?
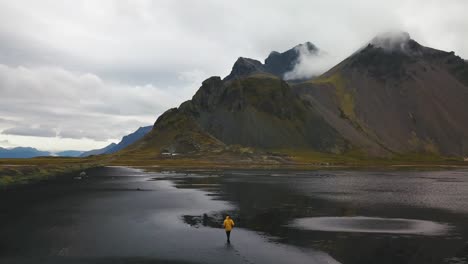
(212, 220)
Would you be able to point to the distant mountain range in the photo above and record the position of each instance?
(27, 152)
(391, 97)
(22, 152)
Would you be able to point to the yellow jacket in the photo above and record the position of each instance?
(228, 224)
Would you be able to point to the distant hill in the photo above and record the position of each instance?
(125, 142)
(22, 153)
(69, 153)
(25, 152)
(130, 139)
(98, 151)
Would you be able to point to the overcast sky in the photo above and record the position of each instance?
(81, 74)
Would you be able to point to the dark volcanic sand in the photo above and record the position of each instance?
(121, 215)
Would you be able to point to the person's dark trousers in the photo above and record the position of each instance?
(228, 235)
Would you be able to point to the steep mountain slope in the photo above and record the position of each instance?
(22, 153)
(260, 111)
(98, 151)
(130, 139)
(176, 132)
(124, 142)
(396, 96)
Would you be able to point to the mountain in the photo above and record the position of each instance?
(396, 96)
(130, 139)
(69, 153)
(259, 111)
(391, 97)
(98, 151)
(27, 152)
(277, 64)
(22, 152)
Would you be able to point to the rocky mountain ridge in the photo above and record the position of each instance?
(391, 97)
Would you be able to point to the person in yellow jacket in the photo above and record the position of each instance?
(228, 225)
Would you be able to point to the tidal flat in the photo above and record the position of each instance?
(127, 215)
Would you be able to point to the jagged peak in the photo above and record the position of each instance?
(246, 61)
(309, 46)
(280, 63)
(306, 45)
(276, 63)
(273, 53)
(245, 66)
(211, 80)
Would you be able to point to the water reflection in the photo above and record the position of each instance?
(401, 209)
(371, 225)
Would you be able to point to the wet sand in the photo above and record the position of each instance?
(120, 215)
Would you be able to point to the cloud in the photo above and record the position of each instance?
(54, 102)
(30, 131)
(7, 121)
(392, 41)
(311, 64)
(5, 144)
(145, 41)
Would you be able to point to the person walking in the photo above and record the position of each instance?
(228, 225)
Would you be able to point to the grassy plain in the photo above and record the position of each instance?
(24, 171)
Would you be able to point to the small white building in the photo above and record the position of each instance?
(169, 154)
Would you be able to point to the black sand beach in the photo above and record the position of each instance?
(122, 215)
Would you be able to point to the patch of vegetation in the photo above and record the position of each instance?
(346, 102)
(6, 180)
(24, 171)
(345, 99)
(423, 145)
(357, 158)
(305, 159)
(270, 95)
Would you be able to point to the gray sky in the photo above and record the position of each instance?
(81, 74)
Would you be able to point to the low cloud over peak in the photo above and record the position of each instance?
(392, 41)
(311, 63)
